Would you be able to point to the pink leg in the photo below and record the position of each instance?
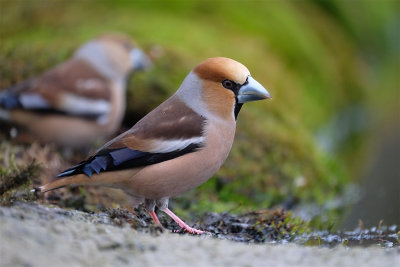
(154, 216)
(182, 223)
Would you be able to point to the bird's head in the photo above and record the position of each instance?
(225, 85)
(137, 59)
(114, 55)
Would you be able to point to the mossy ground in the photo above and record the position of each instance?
(315, 58)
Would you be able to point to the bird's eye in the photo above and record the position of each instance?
(228, 84)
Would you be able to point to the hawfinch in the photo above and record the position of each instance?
(80, 100)
(177, 146)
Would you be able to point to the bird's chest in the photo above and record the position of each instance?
(218, 143)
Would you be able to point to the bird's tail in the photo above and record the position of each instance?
(76, 175)
(71, 180)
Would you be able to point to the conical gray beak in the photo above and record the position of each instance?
(139, 60)
(252, 91)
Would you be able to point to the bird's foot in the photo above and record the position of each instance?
(182, 224)
(191, 230)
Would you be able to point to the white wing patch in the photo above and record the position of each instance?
(33, 101)
(84, 106)
(165, 146)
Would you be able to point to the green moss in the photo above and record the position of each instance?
(15, 183)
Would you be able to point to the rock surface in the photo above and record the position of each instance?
(37, 235)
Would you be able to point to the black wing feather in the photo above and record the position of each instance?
(123, 158)
(9, 100)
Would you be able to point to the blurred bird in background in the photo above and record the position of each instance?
(177, 146)
(79, 101)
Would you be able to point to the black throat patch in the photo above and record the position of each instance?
(238, 106)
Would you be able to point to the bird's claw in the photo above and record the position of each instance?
(191, 230)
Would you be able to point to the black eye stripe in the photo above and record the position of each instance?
(231, 85)
(235, 87)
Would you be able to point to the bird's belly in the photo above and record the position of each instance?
(173, 177)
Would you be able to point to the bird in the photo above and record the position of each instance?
(79, 100)
(178, 145)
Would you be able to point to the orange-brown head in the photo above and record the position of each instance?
(225, 85)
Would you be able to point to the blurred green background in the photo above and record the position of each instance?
(332, 68)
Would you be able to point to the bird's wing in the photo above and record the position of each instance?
(73, 88)
(168, 132)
